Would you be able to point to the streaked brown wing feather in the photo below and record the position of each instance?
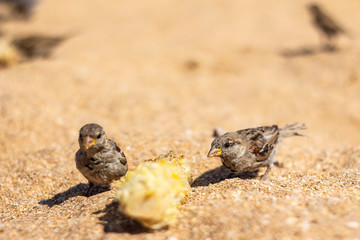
(267, 148)
(117, 148)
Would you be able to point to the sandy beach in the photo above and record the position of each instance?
(161, 75)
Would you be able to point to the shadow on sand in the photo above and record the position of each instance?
(78, 190)
(308, 51)
(219, 174)
(115, 221)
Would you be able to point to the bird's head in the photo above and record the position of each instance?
(314, 8)
(92, 138)
(227, 146)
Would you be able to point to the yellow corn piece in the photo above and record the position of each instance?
(8, 54)
(152, 192)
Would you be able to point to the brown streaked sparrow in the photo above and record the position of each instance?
(252, 148)
(99, 159)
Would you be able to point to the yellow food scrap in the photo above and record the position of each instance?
(152, 192)
(8, 54)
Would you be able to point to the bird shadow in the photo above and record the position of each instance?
(77, 190)
(113, 220)
(219, 174)
(308, 51)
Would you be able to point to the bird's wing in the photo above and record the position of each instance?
(259, 134)
(269, 130)
(268, 147)
(262, 141)
(330, 23)
(117, 148)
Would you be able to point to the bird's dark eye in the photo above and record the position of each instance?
(228, 144)
(98, 136)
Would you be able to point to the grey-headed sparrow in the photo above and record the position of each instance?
(99, 159)
(252, 148)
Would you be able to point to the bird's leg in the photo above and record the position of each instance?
(230, 175)
(329, 45)
(91, 186)
(264, 176)
(323, 42)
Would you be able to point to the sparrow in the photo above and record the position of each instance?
(99, 159)
(327, 26)
(37, 45)
(22, 8)
(249, 149)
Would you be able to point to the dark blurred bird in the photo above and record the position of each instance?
(22, 8)
(249, 149)
(325, 24)
(37, 45)
(99, 159)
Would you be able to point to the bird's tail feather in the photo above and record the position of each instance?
(291, 130)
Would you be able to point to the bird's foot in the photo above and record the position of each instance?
(264, 176)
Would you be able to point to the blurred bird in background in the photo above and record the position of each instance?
(326, 25)
(22, 8)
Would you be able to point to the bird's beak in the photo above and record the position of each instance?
(88, 142)
(214, 152)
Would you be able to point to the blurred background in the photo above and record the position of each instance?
(169, 69)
